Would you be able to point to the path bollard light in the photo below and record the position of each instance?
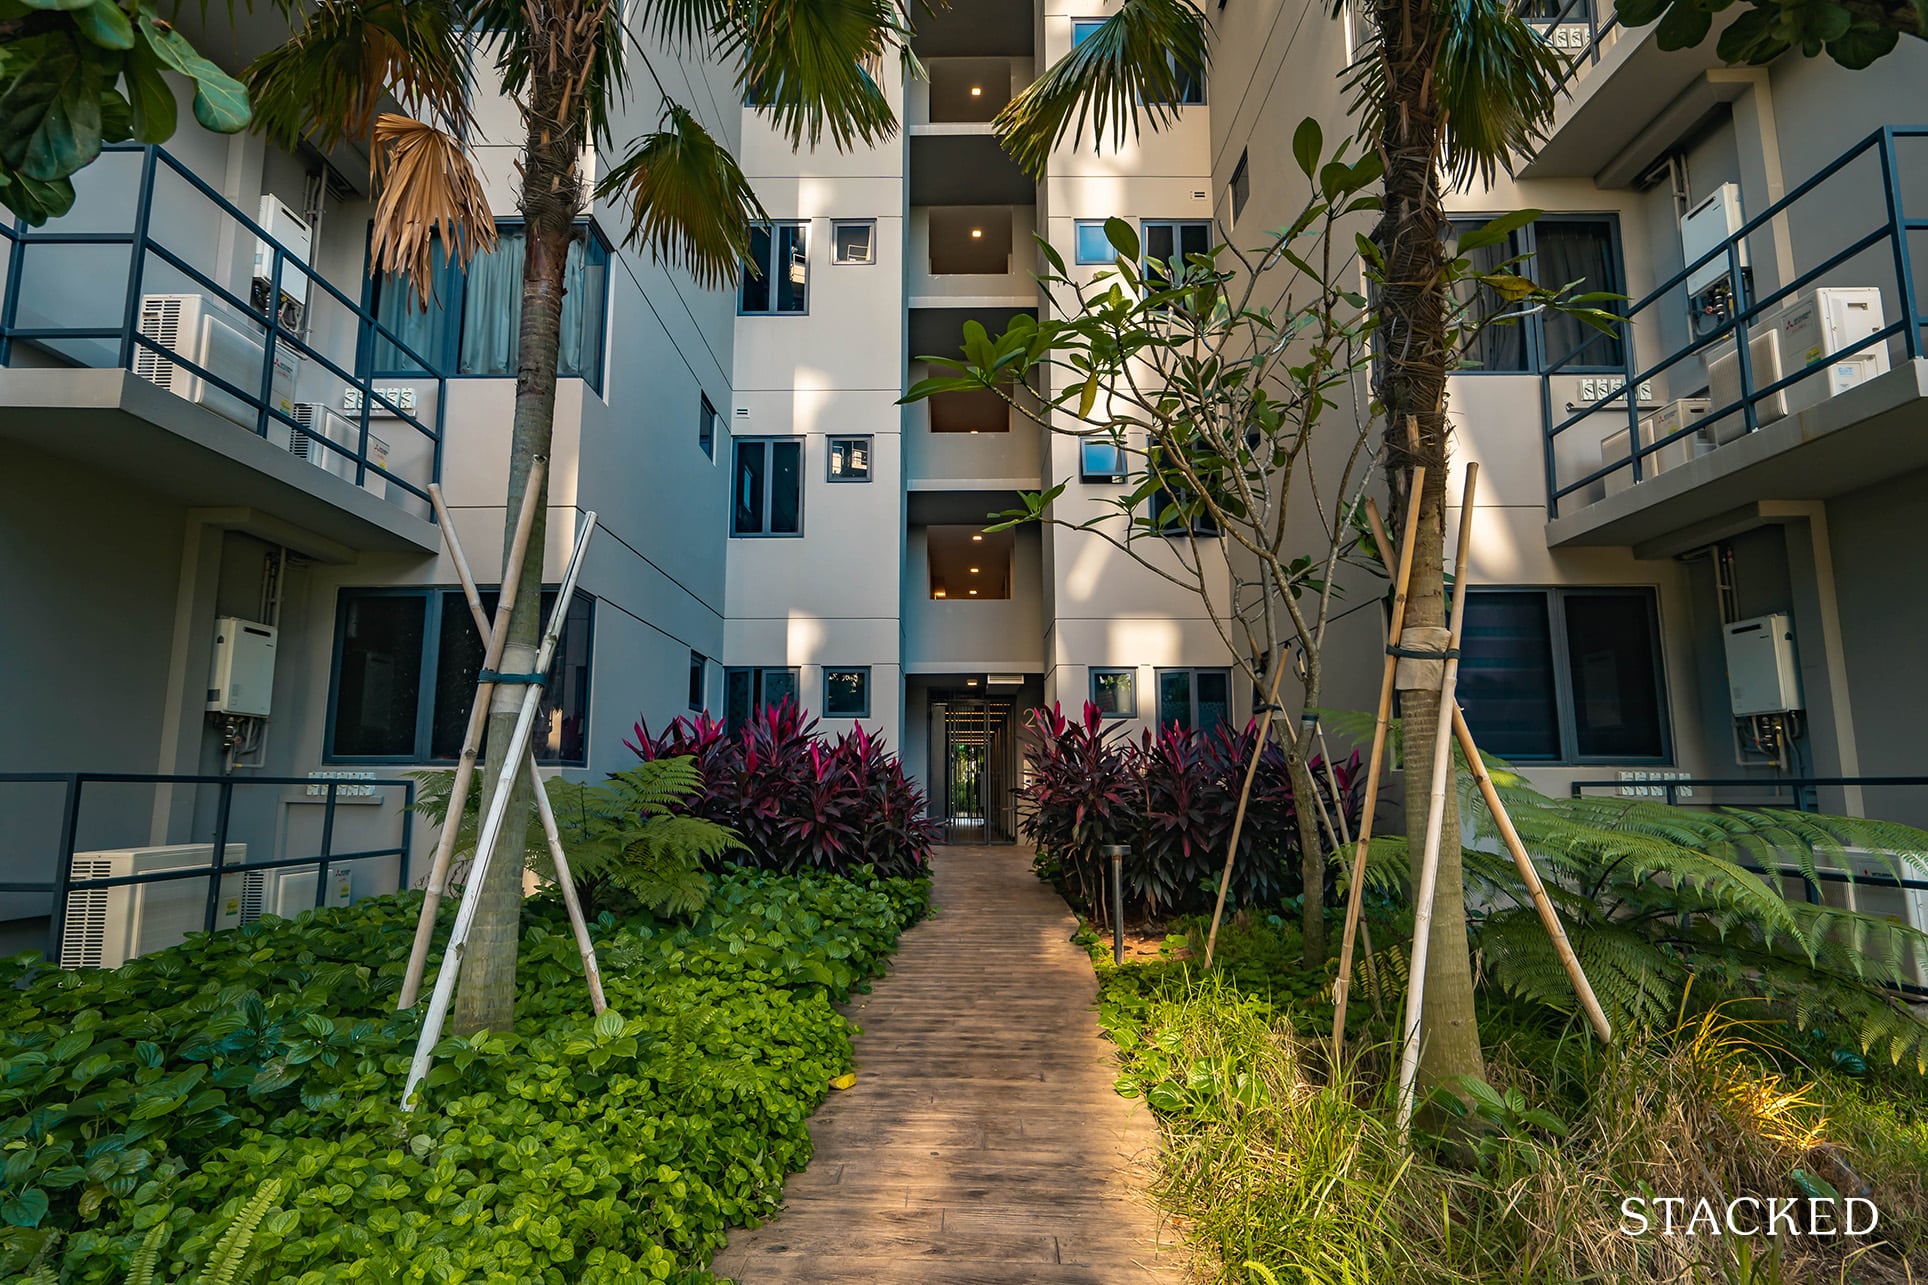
(1117, 851)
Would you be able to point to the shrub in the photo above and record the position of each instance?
(576, 1149)
(1172, 798)
(797, 800)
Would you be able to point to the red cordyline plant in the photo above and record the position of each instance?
(1171, 798)
(799, 800)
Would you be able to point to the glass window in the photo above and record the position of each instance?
(1115, 692)
(1092, 244)
(1100, 460)
(749, 691)
(767, 491)
(1082, 29)
(1564, 675)
(853, 242)
(706, 426)
(846, 693)
(472, 325)
(1194, 699)
(1191, 85)
(1173, 239)
(699, 674)
(781, 280)
(1168, 516)
(1556, 251)
(392, 647)
(1241, 185)
(850, 459)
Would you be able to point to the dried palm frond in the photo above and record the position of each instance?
(427, 193)
(687, 199)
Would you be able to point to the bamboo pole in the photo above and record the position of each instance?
(1244, 797)
(491, 832)
(1381, 727)
(1435, 815)
(551, 833)
(498, 638)
(1541, 902)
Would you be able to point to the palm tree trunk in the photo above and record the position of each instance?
(1412, 370)
(551, 195)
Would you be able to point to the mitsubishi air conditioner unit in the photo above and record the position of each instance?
(1665, 422)
(187, 326)
(1819, 326)
(1865, 895)
(329, 423)
(1724, 383)
(106, 927)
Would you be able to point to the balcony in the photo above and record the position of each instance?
(208, 360)
(1808, 388)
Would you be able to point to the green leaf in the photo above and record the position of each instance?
(35, 201)
(65, 5)
(1685, 26)
(1307, 142)
(50, 114)
(1088, 397)
(1859, 47)
(1123, 237)
(105, 23)
(609, 1024)
(25, 1209)
(220, 101)
(1497, 231)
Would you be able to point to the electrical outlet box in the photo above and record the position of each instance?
(1762, 677)
(241, 674)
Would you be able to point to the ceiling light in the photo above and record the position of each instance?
(977, 91)
(937, 593)
(977, 232)
(973, 570)
(970, 682)
(976, 537)
(973, 593)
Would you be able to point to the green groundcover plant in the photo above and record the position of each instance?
(153, 1104)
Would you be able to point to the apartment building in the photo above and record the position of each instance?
(1730, 600)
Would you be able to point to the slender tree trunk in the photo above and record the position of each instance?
(1413, 360)
(1312, 856)
(551, 195)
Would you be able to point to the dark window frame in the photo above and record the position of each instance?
(699, 693)
(1086, 473)
(828, 670)
(1178, 229)
(706, 424)
(435, 608)
(1525, 241)
(737, 444)
(1082, 28)
(757, 701)
(1157, 692)
(836, 258)
(1091, 689)
(1241, 184)
(830, 458)
(769, 269)
(1559, 644)
(451, 290)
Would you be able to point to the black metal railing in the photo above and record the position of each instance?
(1572, 14)
(72, 820)
(144, 244)
(1886, 236)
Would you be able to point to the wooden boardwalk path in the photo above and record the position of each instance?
(983, 1143)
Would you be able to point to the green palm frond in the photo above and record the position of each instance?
(331, 79)
(596, 28)
(803, 64)
(232, 1260)
(1498, 81)
(148, 1257)
(1137, 62)
(687, 200)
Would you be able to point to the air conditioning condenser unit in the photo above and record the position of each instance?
(188, 327)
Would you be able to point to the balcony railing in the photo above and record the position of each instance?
(146, 223)
(1577, 30)
(1849, 223)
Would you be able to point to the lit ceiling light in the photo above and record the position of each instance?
(973, 593)
(973, 570)
(976, 537)
(977, 91)
(937, 593)
(976, 233)
(970, 682)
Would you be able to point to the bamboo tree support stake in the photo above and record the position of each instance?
(1381, 726)
(1541, 902)
(498, 638)
(1435, 815)
(550, 832)
(490, 836)
(1244, 797)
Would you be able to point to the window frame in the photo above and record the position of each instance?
(830, 458)
(736, 446)
(699, 680)
(835, 258)
(1178, 227)
(1240, 187)
(1078, 256)
(451, 292)
(435, 598)
(1091, 688)
(707, 421)
(1096, 477)
(1086, 25)
(846, 669)
(758, 673)
(1559, 643)
(1534, 326)
(773, 311)
(1157, 677)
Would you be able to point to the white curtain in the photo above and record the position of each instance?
(492, 305)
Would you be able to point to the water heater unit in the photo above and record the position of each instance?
(241, 675)
(1761, 674)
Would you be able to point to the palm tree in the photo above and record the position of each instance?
(1448, 90)
(566, 64)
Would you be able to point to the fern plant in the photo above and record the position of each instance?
(620, 835)
(1658, 899)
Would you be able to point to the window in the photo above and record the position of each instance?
(846, 693)
(748, 692)
(1241, 184)
(706, 426)
(854, 241)
(1168, 239)
(472, 325)
(1092, 245)
(1564, 675)
(780, 284)
(1115, 692)
(1196, 700)
(1191, 90)
(403, 678)
(850, 459)
(1100, 460)
(699, 680)
(767, 491)
(1553, 250)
